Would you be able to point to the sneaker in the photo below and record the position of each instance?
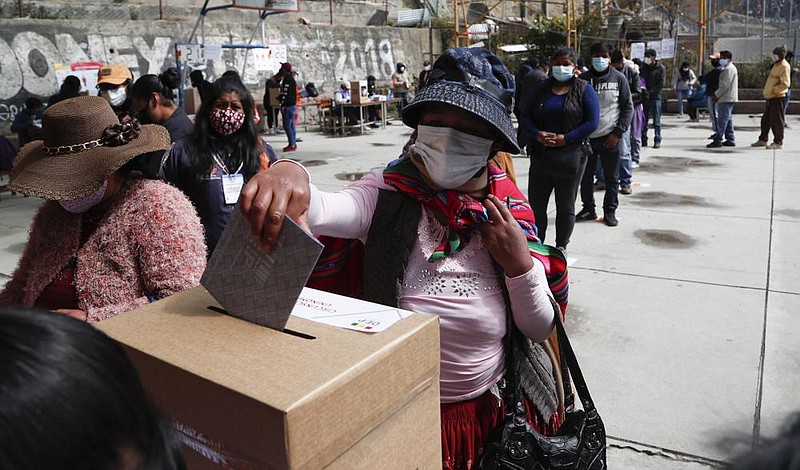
(290, 148)
(298, 140)
(374, 126)
(625, 189)
(610, 219)
(657, 145)
(599, 187)
(759, 143)
(585, 214)
(634, 165)
(714, 145)
(728, 143)
(712, 137)
(774, 146)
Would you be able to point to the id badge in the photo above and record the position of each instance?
(232, 186)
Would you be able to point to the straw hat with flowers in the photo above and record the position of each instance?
(83, 144)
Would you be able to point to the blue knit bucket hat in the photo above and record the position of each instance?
(474, 80)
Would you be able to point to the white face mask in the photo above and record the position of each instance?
(427, 67)
(776, 57)
(116, 96)
(648, 60)
(451, 157)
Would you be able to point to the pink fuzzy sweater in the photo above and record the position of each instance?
(149, 244)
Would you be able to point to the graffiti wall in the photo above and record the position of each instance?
(30, 50)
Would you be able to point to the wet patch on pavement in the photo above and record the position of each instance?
(660, 198)
(665, 238)
(793, 213)
(673, 164)
(313, 162)
(351, 176)
(714, 150)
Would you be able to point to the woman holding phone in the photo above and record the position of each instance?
(559, 114)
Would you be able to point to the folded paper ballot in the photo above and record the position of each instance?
(254, 286)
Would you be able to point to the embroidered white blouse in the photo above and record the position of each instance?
(463, 290)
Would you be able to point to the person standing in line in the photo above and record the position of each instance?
(725, 97)
(424, 75)
(683, 83)
(288, 97)
(711, 79)
(616, 111)
(536, 74)
(775, 89)
(272, 111)
(631, 140)
(560, 113)
(789, 57)
(400, 86)
(655, 76)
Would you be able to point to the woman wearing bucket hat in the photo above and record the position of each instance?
(107, 240)
(559, 115)
(223, 152)
(446, 233)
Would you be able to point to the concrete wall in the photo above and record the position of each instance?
(322, 54)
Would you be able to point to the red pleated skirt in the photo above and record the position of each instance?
(467, 424)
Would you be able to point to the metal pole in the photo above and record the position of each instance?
(789, 23)
(160, 9)
(746, 20)
(21, 11)
(330, 9)
(763, 23)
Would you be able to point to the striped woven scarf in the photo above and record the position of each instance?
(465, 214)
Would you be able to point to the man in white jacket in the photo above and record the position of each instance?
(725, 97)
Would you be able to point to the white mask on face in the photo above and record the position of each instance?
(427, 67)
(776, 57)
(451, 157)
(116, 96)
(648, 60)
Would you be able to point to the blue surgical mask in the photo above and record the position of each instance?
(724, 62)
(600, 63)
(563, 73)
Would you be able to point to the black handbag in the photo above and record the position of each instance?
(580, 442)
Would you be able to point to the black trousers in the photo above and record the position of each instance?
(773, 119)
(609, 159)
(540, 186)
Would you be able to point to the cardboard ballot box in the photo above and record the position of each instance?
(274, 97)
(191, 100)
(358, 92)
(314, 396)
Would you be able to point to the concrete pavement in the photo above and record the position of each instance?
(681, 316)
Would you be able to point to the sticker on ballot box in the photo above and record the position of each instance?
(346, 312)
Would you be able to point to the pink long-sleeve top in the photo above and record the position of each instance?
(463, 290)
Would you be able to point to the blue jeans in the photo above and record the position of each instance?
(652, 109)
(682, 96)
(625, 168)
(724, 122)
(712, 113)
(288, 124)
(786, 101)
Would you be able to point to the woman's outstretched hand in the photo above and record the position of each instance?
(504, 239)
(269, 196)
